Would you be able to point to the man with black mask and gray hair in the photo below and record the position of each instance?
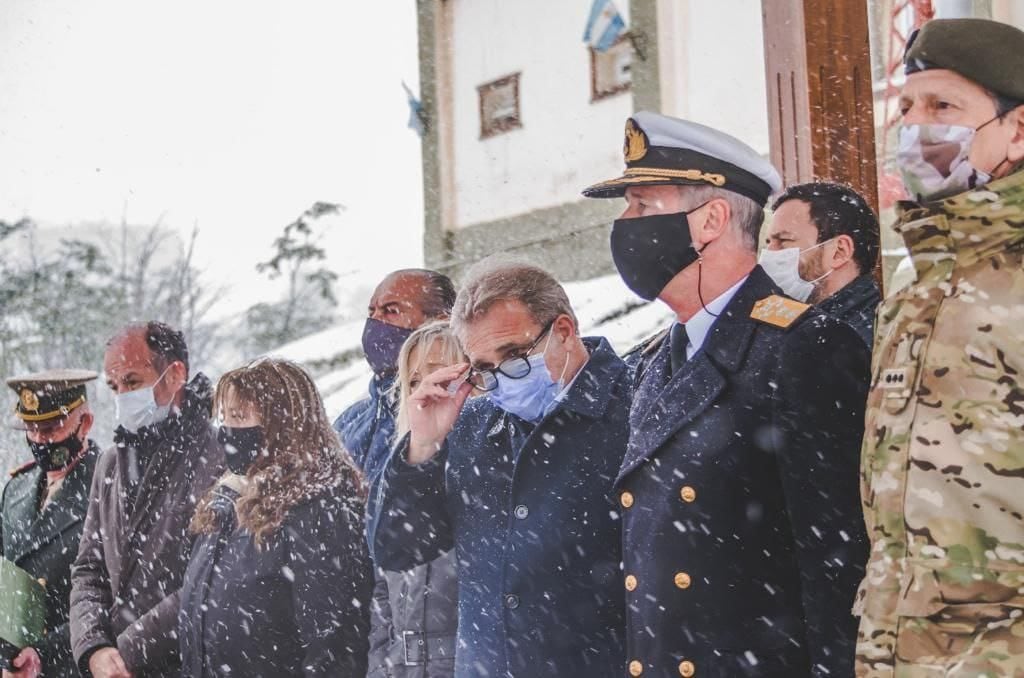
(743, 541)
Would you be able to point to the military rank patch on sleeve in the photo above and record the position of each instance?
(779, 311)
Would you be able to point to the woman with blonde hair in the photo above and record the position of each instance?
(279, 580)
(416, 612)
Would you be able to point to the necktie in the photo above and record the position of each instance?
(677, 342)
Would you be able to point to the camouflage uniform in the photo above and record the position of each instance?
(942, 471)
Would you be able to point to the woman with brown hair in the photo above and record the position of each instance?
(415, 613)
(279, 580)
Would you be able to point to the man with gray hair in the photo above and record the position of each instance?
(517, 481)
(743, 539)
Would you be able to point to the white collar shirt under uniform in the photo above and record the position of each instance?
(700, 324)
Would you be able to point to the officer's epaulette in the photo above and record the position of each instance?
(648, 345)
(21, 469)
(779, 311)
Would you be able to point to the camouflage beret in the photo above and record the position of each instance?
(989, 53)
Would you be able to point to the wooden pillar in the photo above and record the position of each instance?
(820, 105)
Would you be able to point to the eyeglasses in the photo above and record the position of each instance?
(513, 368)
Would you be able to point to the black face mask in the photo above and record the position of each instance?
(242, 446)
(57, 456)
(649, 251)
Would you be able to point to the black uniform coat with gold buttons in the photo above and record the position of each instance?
(537, 536)
(743, 536)
(45, 543)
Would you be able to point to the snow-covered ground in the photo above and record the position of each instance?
(604, 306)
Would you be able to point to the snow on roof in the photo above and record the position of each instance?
(326, 344)
(604, 306)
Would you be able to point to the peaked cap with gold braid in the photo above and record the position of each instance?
(660, 150)
(47, 395)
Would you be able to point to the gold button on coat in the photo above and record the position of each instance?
(630, 583)
(626, 499)
(635, 668)
(688, 494)
(687, 669)
(683, 580)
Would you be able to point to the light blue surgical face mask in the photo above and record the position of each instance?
(531, 397)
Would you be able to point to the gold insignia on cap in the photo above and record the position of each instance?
(779, 311)
(29, 399)
(635, 146)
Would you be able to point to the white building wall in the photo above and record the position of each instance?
(712, 71)
(725, 69)
(566, 142)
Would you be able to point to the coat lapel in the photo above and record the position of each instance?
(34, 529)
(19, 515)
(151, 488)
(663, 406)
(660, 413)
(68, 508)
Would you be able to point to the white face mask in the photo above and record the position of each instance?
(137, 409)
(783, 266)
(932, 160)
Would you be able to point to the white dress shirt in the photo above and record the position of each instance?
(698, 326)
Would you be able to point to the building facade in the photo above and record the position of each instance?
(520, 114)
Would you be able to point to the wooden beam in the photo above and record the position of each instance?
(820, 105)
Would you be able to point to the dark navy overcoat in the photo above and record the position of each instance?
(530, 512)
(743, 535)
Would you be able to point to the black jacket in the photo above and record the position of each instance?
(537, 538)
(743, 535)
(45, 543)
(296, 606)
(856, 305)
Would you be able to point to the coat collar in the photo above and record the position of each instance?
(861, 292)
(593, 389)
(382, 388)
(730, 336)
(968, 228)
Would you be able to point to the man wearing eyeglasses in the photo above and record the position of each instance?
(517, 481)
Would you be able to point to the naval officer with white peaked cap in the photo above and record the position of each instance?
(743, 535)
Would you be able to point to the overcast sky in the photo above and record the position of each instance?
(234, 114)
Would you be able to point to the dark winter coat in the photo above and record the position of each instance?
(125, 582)
(743, 536)
(367, 428)
(417, 618)
(529, 513)
(44, 543)
(297, 605)
(856, 305)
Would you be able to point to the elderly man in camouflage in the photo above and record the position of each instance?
(943, 461)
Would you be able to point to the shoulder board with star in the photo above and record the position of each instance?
(21, 469)
(779, 311)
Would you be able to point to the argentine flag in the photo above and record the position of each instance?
(604, 26)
